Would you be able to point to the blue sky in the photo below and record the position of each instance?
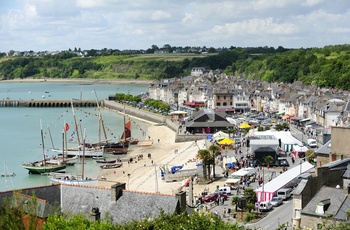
(40, 25)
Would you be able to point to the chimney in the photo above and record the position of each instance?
(181, 196)
(117, 191)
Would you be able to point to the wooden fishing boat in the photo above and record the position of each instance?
(111, 166)
(105, 161)
(74, 179)
(42, 166)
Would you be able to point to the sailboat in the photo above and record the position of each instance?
(71, 179)
(93, 151)
(42, 166)
(6, 172)
(122, 146)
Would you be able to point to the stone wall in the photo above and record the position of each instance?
(153, 117)
(133, 111)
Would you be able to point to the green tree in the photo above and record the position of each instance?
(268, 160)
(250, 194)
(214, 150)
(205, 157)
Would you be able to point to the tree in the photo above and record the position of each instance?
(204, 155)
(268, 160)
(310, 155)
(250, 194)
(214, 150)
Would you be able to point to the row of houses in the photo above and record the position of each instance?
(215, 90)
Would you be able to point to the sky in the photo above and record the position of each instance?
(50, 25)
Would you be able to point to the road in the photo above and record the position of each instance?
(278, 216)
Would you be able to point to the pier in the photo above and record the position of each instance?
(49, 103)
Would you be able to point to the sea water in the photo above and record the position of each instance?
(20, 135)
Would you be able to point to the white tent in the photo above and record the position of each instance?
(267, 191)
(240, 173)
(220, 135)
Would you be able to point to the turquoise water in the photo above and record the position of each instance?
(20, 127)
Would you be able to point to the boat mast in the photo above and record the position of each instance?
(75, 122)
(124, 123)
(83, 161)
(101, 122)
(48, 128)
(42, 142)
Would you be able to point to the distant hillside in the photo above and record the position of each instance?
(327, 67)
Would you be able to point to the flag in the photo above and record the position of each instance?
(66, 127)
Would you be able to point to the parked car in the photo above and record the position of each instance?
(276, 201)
(265, 206)
(214, 196)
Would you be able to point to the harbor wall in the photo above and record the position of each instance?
(153, 117)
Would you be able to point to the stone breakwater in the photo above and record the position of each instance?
(152, 117)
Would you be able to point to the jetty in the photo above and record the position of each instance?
(49, 103)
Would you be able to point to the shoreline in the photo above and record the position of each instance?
(86, 80)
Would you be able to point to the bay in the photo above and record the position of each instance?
(20, 136)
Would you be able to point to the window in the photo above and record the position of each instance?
(218, 97)
(224, 104)
(218, 104)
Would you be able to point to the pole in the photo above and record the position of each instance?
(83, 162)
(263, 194)
(155, 171)
(42, 141)
(75, 122)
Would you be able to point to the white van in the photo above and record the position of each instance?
(225, 189)
(312, 143)
(285, 193)
(265, 206)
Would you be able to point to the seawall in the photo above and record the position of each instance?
(156, 118)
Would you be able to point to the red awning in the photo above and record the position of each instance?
(190, 103)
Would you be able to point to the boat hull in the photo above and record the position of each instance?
(111, 166)
(116, 151)
(88, 153)
(33, 169)
(68, 179)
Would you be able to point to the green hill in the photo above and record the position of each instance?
(327, 67)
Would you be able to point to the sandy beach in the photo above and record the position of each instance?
(145, 176)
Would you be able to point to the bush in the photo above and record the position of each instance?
(249, 216)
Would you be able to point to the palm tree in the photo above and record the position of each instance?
(214, 151)
(268, 160)
(204, 155)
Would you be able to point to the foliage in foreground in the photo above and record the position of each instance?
(182, 221)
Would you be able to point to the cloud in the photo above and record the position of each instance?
(123, 24)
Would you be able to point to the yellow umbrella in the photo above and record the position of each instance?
(244, 125)
(226, 141)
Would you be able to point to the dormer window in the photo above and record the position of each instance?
(322, 206)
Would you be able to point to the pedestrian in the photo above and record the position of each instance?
(158, 140)
(144, 163)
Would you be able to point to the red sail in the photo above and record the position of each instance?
(127, 131)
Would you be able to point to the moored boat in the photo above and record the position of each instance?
(111, 166)
(40, 167)
(105, 161)
(43, 166)
(64, 178)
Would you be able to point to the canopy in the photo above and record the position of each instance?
(178, 112)
(240, 173)
(219, 135)
(244, 125)
(232, 181)
(226, 141)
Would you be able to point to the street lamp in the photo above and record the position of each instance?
(128, 179)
